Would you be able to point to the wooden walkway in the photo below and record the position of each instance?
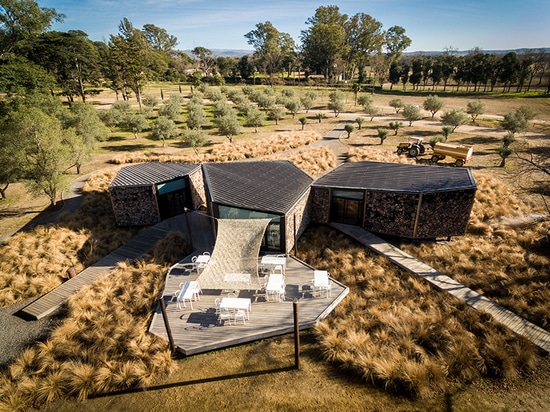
(197, 330)
(130, 252)
(519, 325)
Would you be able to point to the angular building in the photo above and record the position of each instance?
(410, 201)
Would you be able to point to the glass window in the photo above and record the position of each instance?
(272, 237)
(347, 207)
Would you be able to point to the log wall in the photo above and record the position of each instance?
(445, 214)
(320, 205)
(391, 213)
(135, 205)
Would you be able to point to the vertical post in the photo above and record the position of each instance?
(418, 207)
(188, 228)
(296, 335)
(295, 237)
(167, 325)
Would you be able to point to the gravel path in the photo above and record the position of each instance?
(17, 334)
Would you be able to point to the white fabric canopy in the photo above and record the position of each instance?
(234, 260)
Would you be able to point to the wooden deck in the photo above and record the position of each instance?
(131, 251)
(197, 330)
(519, 325)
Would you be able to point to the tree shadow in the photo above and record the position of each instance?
(130, 147)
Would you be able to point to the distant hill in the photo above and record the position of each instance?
(466, 52)
(240, 52)
(225, 52)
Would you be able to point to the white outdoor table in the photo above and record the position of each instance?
(272, 261)
(236, 304)
(187, 292)
(275, 284)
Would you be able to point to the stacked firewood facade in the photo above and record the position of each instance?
(135, 205)
(418, 215)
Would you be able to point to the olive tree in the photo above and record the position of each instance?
(412, 113)
(433, 104)
(254, 117)
(194, 138)
(228, 125)
(163, 128)
(395, 126)
(397, 104)
(276, 113)
(454, 118)
(475, 109)
(336, 102)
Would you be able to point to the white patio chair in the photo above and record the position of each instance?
(321, 283)
(231, 295)
(206, 253)
(281, 294)
(224, 315)
(196, 289)
(217, 302)
(194, 262)
(277, 269)
(240, 314)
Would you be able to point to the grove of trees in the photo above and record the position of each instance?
(38, 65)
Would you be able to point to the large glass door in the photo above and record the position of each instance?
(347, 207)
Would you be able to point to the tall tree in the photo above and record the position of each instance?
(324, 41)
(364, 38)
(509, 69)
(46, 156)
(71, 57)
(204, 59)
(272, 49)
(130, 55)
(396, 42)
(21, 20)
(159, 39)
(21, 77)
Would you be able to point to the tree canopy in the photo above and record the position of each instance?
(21, 20)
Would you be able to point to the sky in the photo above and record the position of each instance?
(431, 25)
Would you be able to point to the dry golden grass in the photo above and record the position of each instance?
(239, 150)
(507, 261)
(36, 262)
(312, 160)
(103, 344)
(360, 154)
(393, 330)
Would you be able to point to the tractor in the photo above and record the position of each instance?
(413, 147)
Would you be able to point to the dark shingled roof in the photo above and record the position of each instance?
(148, 174)
(267, 186)
(397, 177)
